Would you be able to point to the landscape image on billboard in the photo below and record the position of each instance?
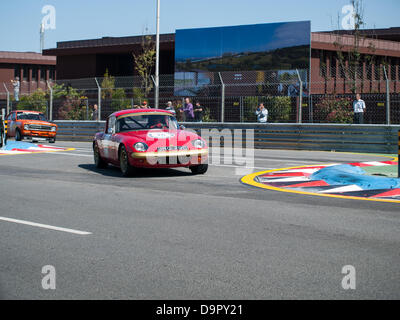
(271, 46)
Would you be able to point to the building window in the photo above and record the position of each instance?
(333, 67)
(17, 71)
(43, 73)
(322, 64)
(25, 73)
(34, 73)
(393, 69)
(52, 73)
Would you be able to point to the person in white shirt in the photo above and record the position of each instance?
(262, 114)
(359, 108)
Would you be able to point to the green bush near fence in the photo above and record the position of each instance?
(73, 103)
(279, 108)
(36, 101)
(333, 110)
(119, 100)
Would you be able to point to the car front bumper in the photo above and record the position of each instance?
(169, 159)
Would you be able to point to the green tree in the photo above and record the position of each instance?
(107, 86)
(144, 63)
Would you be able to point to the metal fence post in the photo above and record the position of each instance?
(98, 100)
(387, 96)
(222, 98)
(3, 125)
(8, 98)
(300, 111)
(51, 101)
(155, 91)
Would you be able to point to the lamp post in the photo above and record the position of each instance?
(157, 80)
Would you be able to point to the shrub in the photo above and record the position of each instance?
(333, 109)
(279, 108)
(36, 101)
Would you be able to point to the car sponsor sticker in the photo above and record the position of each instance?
(160, 135)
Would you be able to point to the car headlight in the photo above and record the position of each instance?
(53, 129)
(198, 144)
(140, 146)
(26, 127)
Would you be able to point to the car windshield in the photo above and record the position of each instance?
(31, 116)
(131, 122)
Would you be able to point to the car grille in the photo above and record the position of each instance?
(39, 127)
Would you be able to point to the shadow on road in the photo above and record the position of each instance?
(112, 171)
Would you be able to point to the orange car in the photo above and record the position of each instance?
(30, 125)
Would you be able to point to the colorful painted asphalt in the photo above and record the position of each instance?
(335, 180)
(18, 147)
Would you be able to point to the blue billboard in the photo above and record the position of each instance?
(200, 53)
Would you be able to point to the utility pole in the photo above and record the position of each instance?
(41, 37)
(157, 85)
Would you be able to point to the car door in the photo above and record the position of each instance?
(107, 142)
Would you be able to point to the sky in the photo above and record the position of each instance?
(88, 19)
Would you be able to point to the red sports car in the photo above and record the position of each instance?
(148, 138)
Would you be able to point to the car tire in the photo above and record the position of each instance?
(18, 136)
(126, 168)
(52, 140)
(199, 169)
(98, 160)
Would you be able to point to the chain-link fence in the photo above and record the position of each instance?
(225, 97)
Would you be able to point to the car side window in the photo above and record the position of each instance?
(111, 125)
(13, 116)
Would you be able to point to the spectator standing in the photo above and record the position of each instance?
(359, 108)
(262, 114)
(170, 107)
(198, 112)
(16, 84)
(188, 110)
(144, 105)
(95, 113)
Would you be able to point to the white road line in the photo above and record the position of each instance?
(72, 154)
(45, 226)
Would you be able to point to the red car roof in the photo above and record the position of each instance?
(122, 112)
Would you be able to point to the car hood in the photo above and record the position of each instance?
(43, 123)
(157, 138)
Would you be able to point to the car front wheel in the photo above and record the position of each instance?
(18, 136)
(199, 169)
(98, 160)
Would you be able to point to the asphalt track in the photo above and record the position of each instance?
(166, 234)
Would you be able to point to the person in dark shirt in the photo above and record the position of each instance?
(198, 112)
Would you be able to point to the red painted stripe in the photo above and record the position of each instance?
(288, 174)
(391, 193)
(317, 183)
(359, 164)
(390, 162)
(26, 150)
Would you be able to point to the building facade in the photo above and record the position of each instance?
(379, 49)
(33, 70)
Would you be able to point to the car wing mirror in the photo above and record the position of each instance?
(182, 127)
